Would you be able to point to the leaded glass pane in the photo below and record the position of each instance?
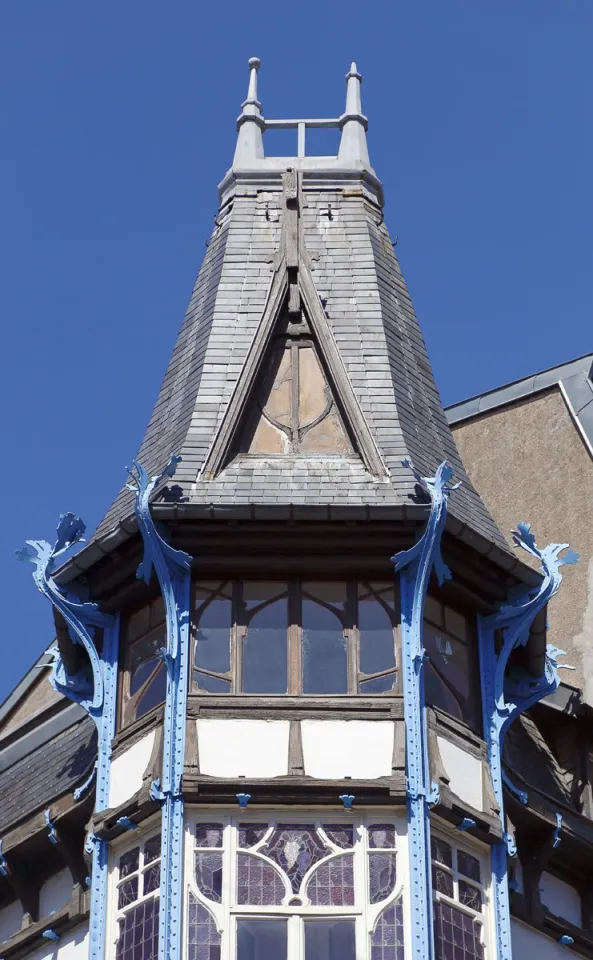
(127, 892)
(324, 653)
(456, 935)
(139, 932)
(468, 866)
(203, 939)
(470, 896)
(213, 638)
(442, 881)
(295, 848)
(342, 834)
(152, 849)
(387, 939)
(441, 851)
(381, 835)
(258, 882)
(209, 835)
(375, 627)
(265, 646)
(329, 940)
(332, 883)
(128, 862)
(251, 833)
(152, 878)
(382, 876)
(209, 875)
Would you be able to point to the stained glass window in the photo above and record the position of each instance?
(203, 940)
(333, 884)
(459, 903)
(295, 848)
(138, 873)
(387, 939)
(258, 882)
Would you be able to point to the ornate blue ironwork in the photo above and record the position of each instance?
(507, 693)
(172, 568)
(96, 692)
(51, 935)
(557, 829)
(126, 823)
(80, 791)
(416, 565)
(243, 799)
(466, 824)
(347, 799)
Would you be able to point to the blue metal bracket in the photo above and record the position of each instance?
(51, 935)
(4, 869)
(347, 799)
(126, 823)
(566, 940)
(52, 833)
(82, 790)
(466, 824)
(416, 566)
(96, 693)
(243, 799)
(172, 568)
(506, 694)
(521, 795)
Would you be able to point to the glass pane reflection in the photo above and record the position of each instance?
(329, 940)
(324, 652)
(262, 940)
(265, 643)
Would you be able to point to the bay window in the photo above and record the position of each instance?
(459, 894)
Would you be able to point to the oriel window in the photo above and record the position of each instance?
(144, 681)
(298, 637)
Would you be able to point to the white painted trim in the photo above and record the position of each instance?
(575, 418)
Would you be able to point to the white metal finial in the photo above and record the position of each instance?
(254, 65)
(250, 124)
(353, 145)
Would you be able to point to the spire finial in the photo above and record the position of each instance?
(250, 124)
(353, 145)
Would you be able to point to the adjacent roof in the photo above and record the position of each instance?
(49, 771)
(357, 283)
(574, 380)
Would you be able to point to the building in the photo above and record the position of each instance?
(286, 661)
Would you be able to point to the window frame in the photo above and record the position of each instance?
(294, 593)
(481, 853)
(471, 646)
(228, 911)
(124, 721)
(119, 847)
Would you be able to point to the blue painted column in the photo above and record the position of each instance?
(416, 565)
(96, 694)
(504, 696)
(172, 568)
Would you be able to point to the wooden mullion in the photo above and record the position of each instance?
(238, 631)
(399, 683)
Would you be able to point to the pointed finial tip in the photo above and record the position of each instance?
(353, 71)
(254, 63)
(353, 68)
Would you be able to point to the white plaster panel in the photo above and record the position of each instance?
(334, 749)
(73, 946)
(464, 772)
(529, 944)
(128, 769)
(248, 748)
(55, 892)
(560, 898)
(11, 918)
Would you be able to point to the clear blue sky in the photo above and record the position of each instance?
(117, 122)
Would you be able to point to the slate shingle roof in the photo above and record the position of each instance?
(370, 313)
(50, 771)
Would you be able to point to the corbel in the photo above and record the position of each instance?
(507, 694)
(23, 888)
(71, 853)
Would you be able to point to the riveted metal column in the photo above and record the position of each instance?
(172, 568)
(416, 565)
(505, 697)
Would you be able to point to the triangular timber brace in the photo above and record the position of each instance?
(292, 281)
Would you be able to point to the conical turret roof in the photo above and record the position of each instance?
(300, 376)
